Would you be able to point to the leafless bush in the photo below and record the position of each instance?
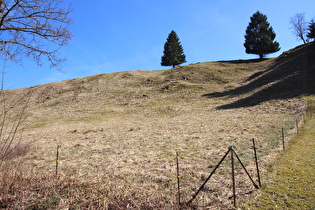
(12, 152)
(12, 116)
(12, 149)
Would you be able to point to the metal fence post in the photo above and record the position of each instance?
(233, 175)
(283, 146)
(202, 186)
(57, 159)
(178, 179)
(256, 162)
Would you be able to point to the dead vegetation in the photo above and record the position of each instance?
(120, 133)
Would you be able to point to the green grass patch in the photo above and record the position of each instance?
(291, 181)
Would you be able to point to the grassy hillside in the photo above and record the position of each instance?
(291, 182)
(120, 132)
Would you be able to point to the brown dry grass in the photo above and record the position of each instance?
(120, 132)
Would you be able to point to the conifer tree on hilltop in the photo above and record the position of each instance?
(259, 38)
(311, 29)
(173, 51)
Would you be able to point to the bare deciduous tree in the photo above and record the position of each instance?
(33, 28)
(299, 27)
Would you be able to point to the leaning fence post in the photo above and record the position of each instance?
(256, 162)
(57, 159)
(239, 160)
(178, 179)
(202, 186)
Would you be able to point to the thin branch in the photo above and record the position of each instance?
(33, 27)
(7, 12)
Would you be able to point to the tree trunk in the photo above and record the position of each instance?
(304, 41)
(261, 56)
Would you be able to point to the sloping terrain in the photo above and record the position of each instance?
(124, 129)
(291, 184)
(290, 75)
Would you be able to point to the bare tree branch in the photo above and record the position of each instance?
(33, 28)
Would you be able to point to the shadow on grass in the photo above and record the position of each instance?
(290, 75)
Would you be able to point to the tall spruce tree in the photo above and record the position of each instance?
(259, 38)
(173, 51)
(311, 30)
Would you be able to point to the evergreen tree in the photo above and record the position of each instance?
(173, 51)
(259, 38)
(311, 29)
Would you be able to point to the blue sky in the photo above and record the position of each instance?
(121, 35)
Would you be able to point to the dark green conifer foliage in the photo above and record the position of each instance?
(173, 51)
(311, 29)
(259, 38)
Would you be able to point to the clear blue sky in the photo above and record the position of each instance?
(121, 35)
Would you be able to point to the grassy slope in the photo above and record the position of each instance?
(122, 130)
(292, 184)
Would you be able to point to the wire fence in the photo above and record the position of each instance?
(233, 156)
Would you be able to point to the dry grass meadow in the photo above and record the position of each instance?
(119, 134)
